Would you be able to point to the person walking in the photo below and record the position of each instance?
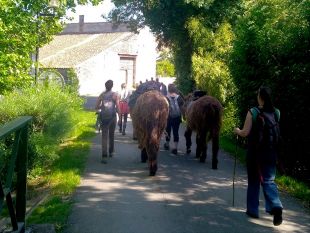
(174, 119)
(261, 157)
(123, 108)
(107, 104)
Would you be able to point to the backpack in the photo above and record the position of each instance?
(174, 109)
(142, 88)
(108, 109)
(267, 127)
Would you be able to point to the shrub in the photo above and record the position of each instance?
(73, 81)
(53, 110)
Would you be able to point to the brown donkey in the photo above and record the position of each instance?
(204, 116)
(149, 118)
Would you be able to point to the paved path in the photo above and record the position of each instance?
(184, 197)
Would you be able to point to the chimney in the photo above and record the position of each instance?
(81, 23)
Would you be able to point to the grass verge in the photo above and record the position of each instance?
(61, 179)
(286, 184)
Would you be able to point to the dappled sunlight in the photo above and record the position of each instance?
(265, 220)
(121, 194)
(198, 202)
(163, 197)
(215, 200)
(127, 140)
(138, 188)
(134, 172)
(219, 184)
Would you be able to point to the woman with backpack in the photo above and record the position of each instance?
(108, 105)
(261, 156)
(175, 117)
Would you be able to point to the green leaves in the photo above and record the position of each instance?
(165, 68)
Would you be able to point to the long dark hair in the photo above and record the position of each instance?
(265, 94)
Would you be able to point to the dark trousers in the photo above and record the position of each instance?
(122, 121)
(108, 137)
(174, 124)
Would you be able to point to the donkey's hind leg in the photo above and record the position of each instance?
(215, 149)
(188, 138)
(203, 146)
(144, 156)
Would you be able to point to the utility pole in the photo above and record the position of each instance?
(53, 4)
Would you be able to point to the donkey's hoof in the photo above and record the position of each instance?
(153, 170)
(214, 165)
(202, 160)
(152, 173)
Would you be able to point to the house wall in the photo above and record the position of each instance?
(146, 59)
(94, 72)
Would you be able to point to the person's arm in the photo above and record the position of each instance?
(246, 127)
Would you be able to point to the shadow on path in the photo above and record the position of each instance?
(185, 195)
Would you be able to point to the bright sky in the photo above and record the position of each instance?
(91, 13)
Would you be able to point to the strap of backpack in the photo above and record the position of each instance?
(254, 111)
(277, 114)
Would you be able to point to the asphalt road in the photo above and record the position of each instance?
(184, 197)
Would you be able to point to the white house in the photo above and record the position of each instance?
(102, 51)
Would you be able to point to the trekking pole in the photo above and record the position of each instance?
(234, 174)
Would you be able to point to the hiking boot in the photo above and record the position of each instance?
(111, 154)
(104, 160)
(166, 146)
(277, 216)
(188, 150)
(174, 151)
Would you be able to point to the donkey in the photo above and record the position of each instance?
(204, 116)
(149, 118)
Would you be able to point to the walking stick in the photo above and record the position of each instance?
(234, 174)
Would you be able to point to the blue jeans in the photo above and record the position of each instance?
(174, 124)
(261, 168)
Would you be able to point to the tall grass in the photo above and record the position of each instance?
(63, 176)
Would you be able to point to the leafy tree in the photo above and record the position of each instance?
(164, 64)
(210, 59)
(165, 68)
(168, 19)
